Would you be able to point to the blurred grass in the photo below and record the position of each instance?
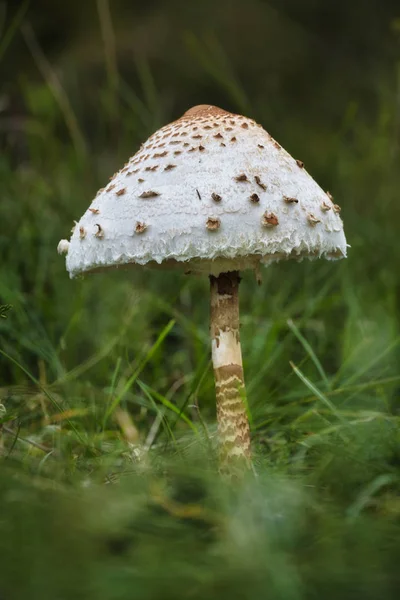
(108, 484)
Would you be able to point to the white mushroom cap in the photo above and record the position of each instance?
(211, 192)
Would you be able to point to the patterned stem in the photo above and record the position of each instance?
(233, 424)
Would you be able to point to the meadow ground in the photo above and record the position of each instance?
(108, 479)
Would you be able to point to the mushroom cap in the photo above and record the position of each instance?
(210, 192)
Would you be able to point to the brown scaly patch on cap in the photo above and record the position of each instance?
(100, 232)
(242, 177)
(269, 219)
(140, 227)
(213, 223)
(313, 220)
(260, 183)
(149, 194)
(325, 206)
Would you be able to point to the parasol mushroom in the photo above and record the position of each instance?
(212, 193)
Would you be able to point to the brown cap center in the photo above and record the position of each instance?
(203, 110)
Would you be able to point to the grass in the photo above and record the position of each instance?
(108, 482)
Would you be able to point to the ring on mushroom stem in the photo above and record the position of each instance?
(238, 233)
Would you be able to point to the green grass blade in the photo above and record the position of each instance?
(10, 32)
(316, 391)
(167, 404)
(113, 385)
(45, 392)
(366, 494)
(307, 347)
(367, 367)
(140, 368)
(159, 412)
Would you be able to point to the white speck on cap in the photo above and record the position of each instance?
(63, 246)
(208, 163)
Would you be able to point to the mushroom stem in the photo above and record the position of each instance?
(233, 424)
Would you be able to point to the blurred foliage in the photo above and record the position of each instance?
(107, 380)
(184, 533)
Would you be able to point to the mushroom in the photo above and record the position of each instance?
(262, 231)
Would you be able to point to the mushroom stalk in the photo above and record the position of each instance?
(233, 424)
